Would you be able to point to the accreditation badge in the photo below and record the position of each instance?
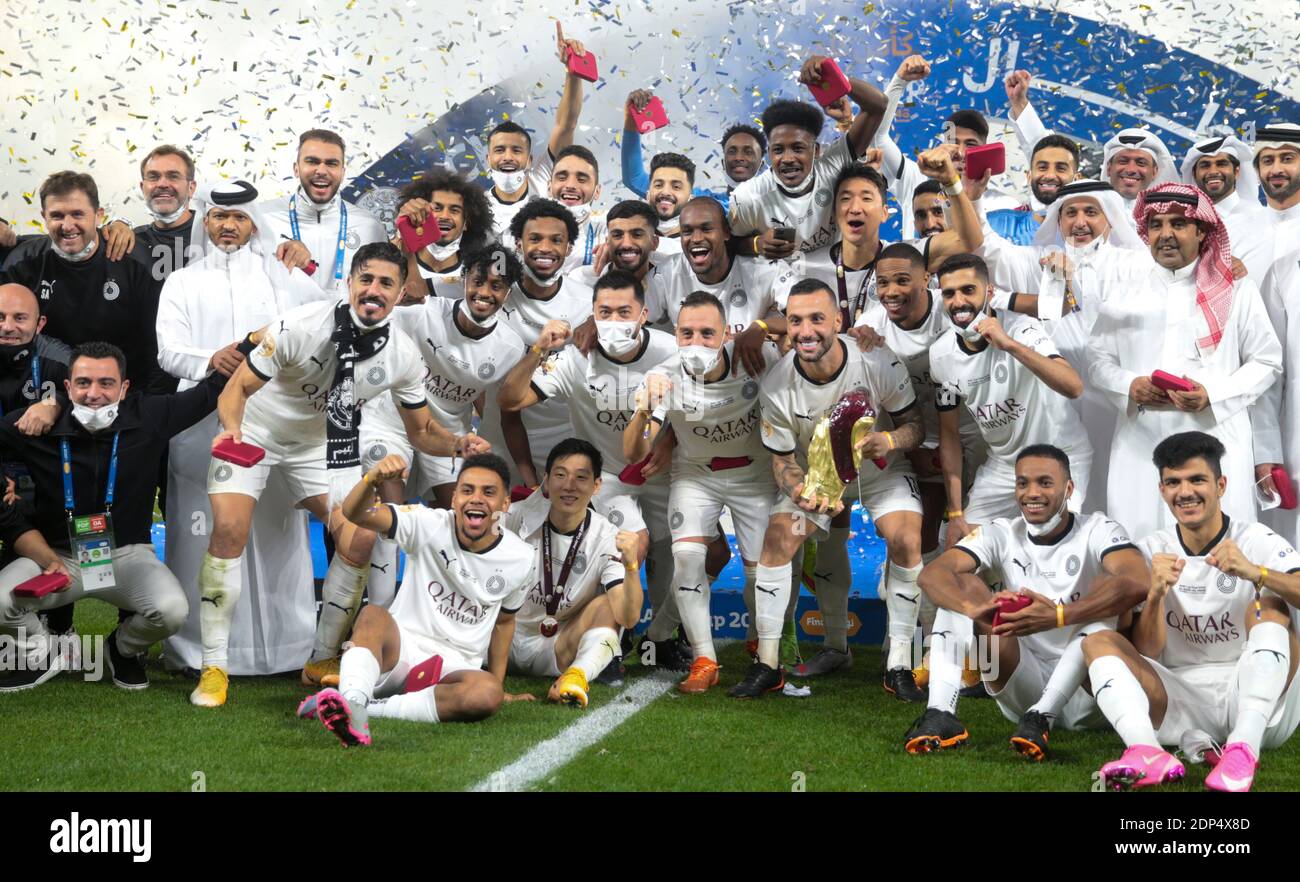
(91, 539)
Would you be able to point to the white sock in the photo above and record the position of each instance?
(418, 707)
(948, 642)
(358, 674)
(659, 585)
(693, 596)
(221, 581)
(751, 576)
(382, 587)
(1121, 698)
(771, 596)
(833, 591)
(1261, 681)
(928, 609)
(596, 648)
(1065, 680)
(903, 601)
(340, 602)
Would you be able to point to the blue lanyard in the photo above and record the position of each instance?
(65, 451)
(343, 232)
(36, 379)
(591, 235)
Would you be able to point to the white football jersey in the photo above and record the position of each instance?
(449, 283)
(457, 369)
(1011, 405)
(298, 361)
(714, 419)
(1063, 570)
(527, 316)
(747, 292)
(792, 404)
(452, 595)
(913, 347)
(600, 393)
(1206, 610)
(762, 203)
(597, 568)
(539, 182)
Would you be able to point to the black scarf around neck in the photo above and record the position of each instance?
(342, 416)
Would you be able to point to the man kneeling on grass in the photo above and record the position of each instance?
(586, 582)
(422, 658)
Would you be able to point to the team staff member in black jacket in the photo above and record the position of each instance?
(110, 443)
(83, 295)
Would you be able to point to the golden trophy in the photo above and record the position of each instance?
(833, 455)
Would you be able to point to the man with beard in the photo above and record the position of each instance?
(1135, 160)
(517, 175)
(1202, 666)
(1079, 573)
(794, 192)
(84, 294)
(929, 209)
(467, 351)
(544, 232)
(1222, 167)
(795, 395)
(1187, 317)
(1277, 162)
(466, 623)
(746, 286)
(167, 184)
(1016, 386)
(1053, 163)
(234, 287)
(575, 184)
(464, 221)
(598, 390)
(297, 397)
(316, 216)
(672, 180)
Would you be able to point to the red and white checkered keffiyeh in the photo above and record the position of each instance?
(1214, 271)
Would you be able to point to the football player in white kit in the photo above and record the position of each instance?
(1013, 381)
(586, 582)
(467, 352)
(297, 397)
(544, 233)
(464, 220)
(1211, 657)
(423, 658)
(575, 184)
(718, 461)
(795, 394)
(1079, 572)
(598, 390)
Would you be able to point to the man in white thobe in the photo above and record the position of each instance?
(236, 287)
(1277, 163)
(1190, 319)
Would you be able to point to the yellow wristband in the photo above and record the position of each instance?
(1263, 576)
(890, 438)
(757, 252)
(1060, 614)
(366, 479)
(954, 514)
(537, 350)
(762, 324)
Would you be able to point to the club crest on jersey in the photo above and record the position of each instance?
(738, 297)
(376, 452)
(353, 240)
(1000, 372)
(496, 582)
(222, 473)
(382, 203)
(1226, 584)
(1072, 565)
(822, 198)
(267, 349)
(486, 370)
(376, 375)
(677, 520)
(111, 290)
(339, 408)
(579, 564)
(749, 391)
(615, 517)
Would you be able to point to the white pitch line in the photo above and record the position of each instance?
(559, 750)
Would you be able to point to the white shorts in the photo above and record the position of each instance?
(634, 507)
(1205, 697)
(415, 649)
(699, 494)
(993, 495)
(893, 489)
(533, 654)
(378, 441)
(1025, 687)
(302, 465)
(434, 471)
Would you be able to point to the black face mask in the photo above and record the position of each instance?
(15, 354)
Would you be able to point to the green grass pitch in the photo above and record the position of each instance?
(76, 735)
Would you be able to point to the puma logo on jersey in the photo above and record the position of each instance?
(347, 610)
(211, 600)
(804, 416)
(1024, 567)
(433, 347)
(383, 568)
(771, 591)
(696, 589)
(910, 598)
(316, 361)
(446, 560)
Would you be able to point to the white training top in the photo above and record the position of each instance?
(762, 203)
(747, 292)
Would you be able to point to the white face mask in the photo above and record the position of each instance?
(442, 252)
(96, 419)
(699, 360)
(83, 254)
(508, 181)
(968, 333)
(1040, 530)
(362, 326)
(1265, 500)
(618, 338)
(167, 218)
(581, 213)
(488, 322)
(538, 280)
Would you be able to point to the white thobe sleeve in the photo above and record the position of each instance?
(1266, 412)
(1260, 353)
(1104, 369)
(1029, 129)
(177, 354)
(1012, 267)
